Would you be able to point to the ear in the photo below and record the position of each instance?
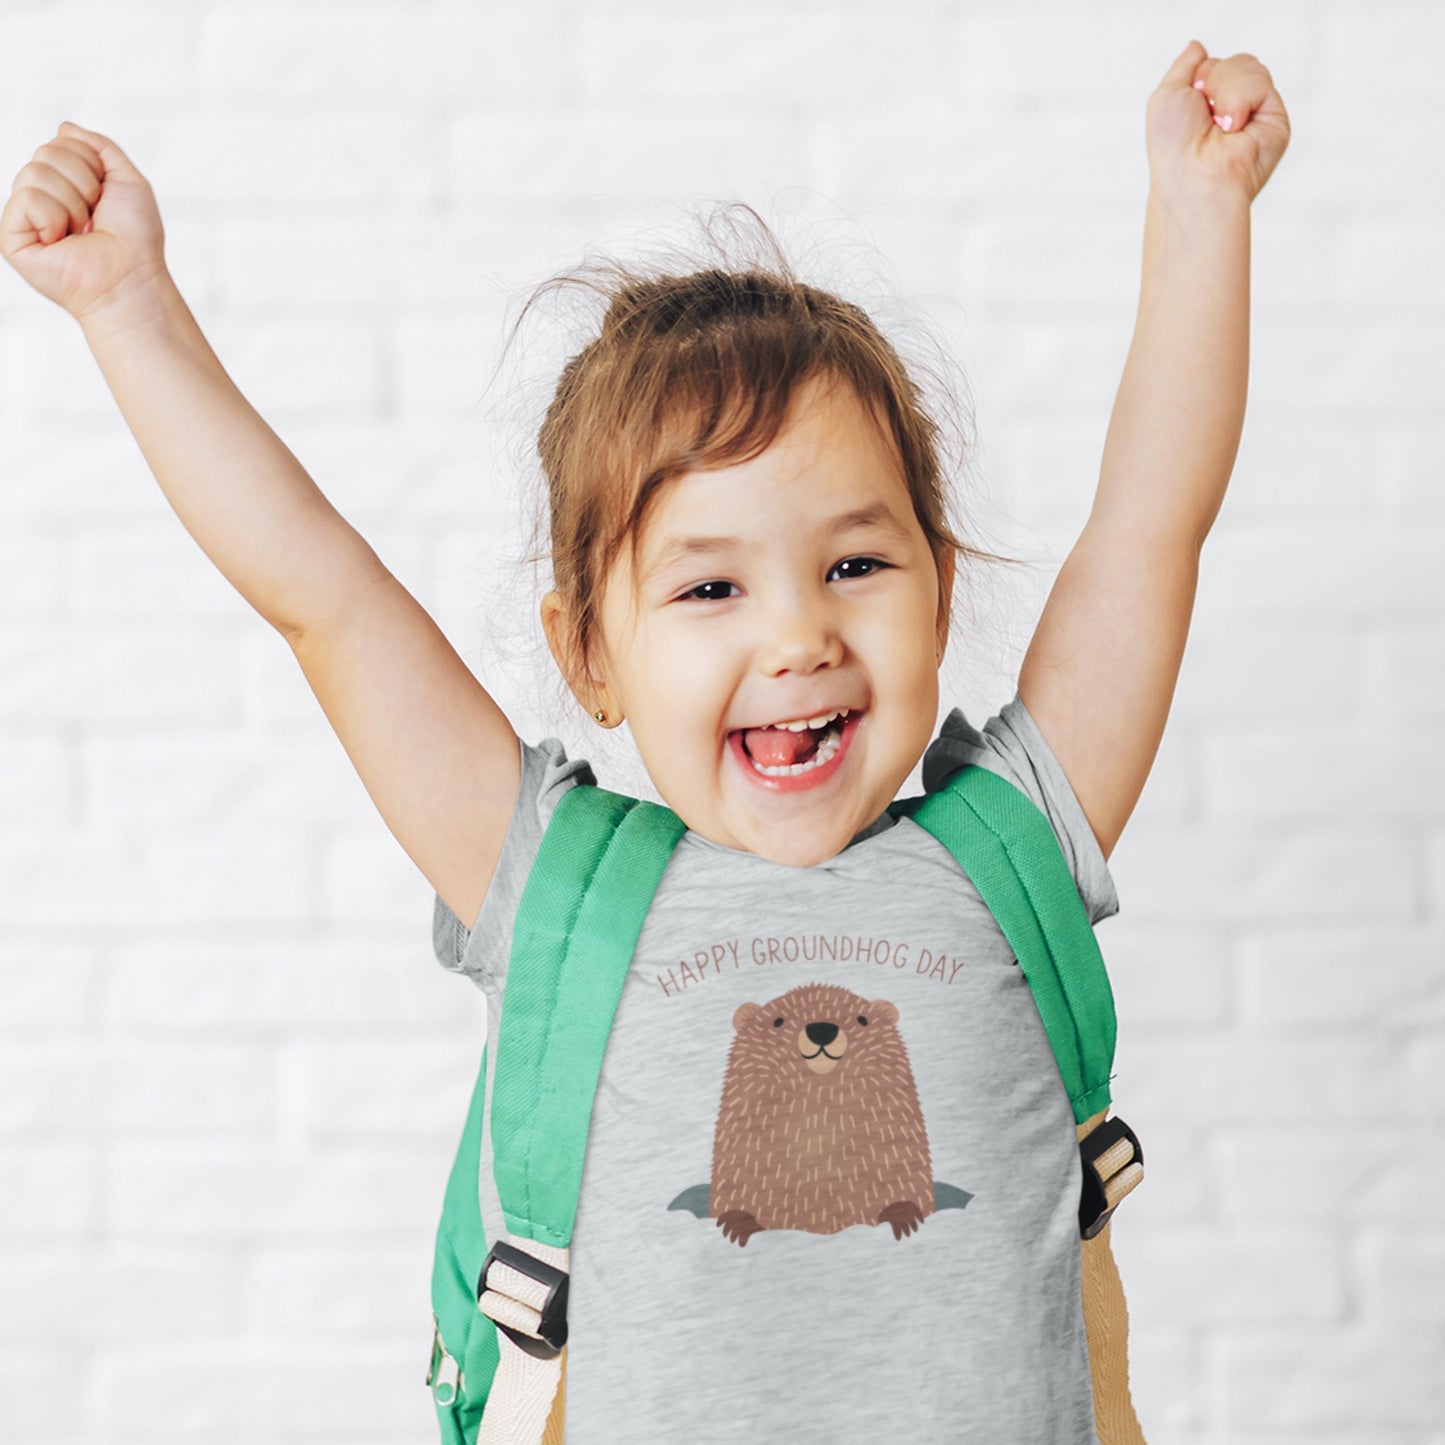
(589, 690)
(880, 1011)
(746, 1013)
(947, 567)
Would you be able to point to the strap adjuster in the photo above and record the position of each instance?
(552, 1327)
(1113, 1164)
(444, 1374)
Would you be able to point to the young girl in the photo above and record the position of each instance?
(753, 569)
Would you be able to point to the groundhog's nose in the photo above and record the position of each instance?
(822, 1034)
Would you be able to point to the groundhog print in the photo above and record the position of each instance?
(819, 1126)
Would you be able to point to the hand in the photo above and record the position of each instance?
(81, 225)
(1215, 122)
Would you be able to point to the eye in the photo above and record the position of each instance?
(777, 1023)
(704, 587)
(863, 1021)
(873, 564)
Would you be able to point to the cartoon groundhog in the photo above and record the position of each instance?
(819, 1126)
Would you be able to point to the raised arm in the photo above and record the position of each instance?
(435, 752)
(1100, 671)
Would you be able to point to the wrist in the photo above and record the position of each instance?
(1197, 203)
(143, 297)
(1191, 232)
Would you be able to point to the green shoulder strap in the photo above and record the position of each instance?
(590, 885)
(1006, 845)
(598, 866)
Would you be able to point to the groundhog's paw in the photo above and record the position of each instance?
(738, 1225)
(905, 1216)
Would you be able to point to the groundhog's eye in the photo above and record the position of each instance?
(862, 1021)
(777, 1023)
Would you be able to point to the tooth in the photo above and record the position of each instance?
(813, 722)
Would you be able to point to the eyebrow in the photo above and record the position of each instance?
(876, 514)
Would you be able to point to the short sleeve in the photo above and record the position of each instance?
(483, 950)
(1012, 746)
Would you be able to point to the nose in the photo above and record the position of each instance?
(799, 634)
(822, 1034)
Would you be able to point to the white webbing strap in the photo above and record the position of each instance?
(524, 1387)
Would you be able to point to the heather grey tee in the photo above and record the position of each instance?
(967, 1326)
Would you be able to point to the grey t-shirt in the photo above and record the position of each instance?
(964, 1324)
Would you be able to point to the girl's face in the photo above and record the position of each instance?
(778, 590)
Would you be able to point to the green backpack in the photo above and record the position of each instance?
(582, 910)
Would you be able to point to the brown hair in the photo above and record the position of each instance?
(695, 371)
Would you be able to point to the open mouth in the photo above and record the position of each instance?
(786, 759)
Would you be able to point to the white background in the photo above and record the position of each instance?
(232, 1075)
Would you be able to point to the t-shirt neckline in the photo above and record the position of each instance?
(883, 823)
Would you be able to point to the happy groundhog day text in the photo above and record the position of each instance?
(736, 954)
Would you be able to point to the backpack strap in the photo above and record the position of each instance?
(590, 887)
(1005, 844)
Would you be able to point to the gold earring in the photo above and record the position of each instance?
(600, 716)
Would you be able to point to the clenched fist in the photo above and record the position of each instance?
(1216, 121)
(81, 224)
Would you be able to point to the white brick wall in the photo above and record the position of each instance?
(231, 1076)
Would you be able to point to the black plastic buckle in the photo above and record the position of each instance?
(1094, 1207)
(553, 1326)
